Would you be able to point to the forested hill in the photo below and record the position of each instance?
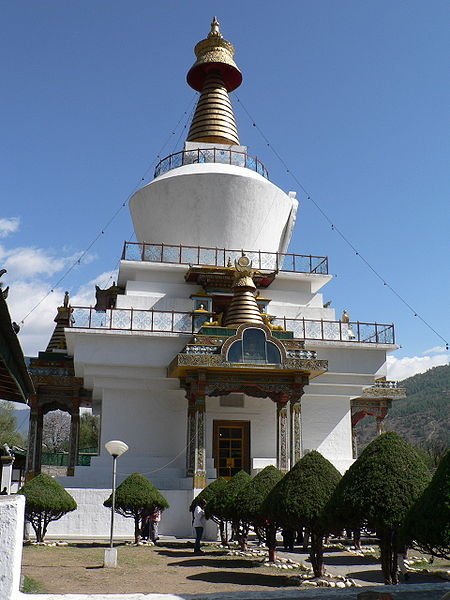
(423, 417)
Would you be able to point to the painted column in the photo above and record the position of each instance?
(380, 425)
(282, 437)
(200, 443)
(296, 432)
(74, 437)
(199, 481)
(191, 435)
(34, 439)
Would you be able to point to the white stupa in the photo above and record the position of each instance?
(215, 352)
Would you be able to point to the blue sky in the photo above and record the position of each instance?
(353, 95)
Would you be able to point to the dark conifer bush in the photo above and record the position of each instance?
(300, 499)
(428, 522)
(209, 494)
(222, 506)
(378, 490)
(250, 500)
(137, 497)
(46, 500)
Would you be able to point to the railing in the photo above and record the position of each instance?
(61, 459)
(158, 321)
(355, 331)
(390, 385)
(222, 257)
(210, 155)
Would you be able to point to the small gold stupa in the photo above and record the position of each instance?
(243, 307)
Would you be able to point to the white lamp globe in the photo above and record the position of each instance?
(116, 447)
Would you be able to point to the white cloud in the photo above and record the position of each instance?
(434, 350)
(401, 368)
(8, 225)
(30, 262)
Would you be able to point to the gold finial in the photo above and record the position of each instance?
(215, 28)
(214, 74)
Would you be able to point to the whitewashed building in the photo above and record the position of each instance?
(214, 352)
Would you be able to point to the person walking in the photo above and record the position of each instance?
(198, 523)
(156, 518)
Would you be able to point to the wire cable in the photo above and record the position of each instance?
(335, 228)
(168, 463)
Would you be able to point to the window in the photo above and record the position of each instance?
(254, 349)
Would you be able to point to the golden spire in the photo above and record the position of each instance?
(243, 307)
(214, 74)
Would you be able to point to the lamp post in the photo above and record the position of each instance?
(116, 448)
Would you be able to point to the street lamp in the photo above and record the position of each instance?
(116, 448)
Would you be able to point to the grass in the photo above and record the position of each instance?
(31, 586)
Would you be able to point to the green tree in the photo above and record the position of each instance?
(56, 431)
(137, 497)
(8, 426)
(378, 490)
(223, 506)
(45, 501)
(432, 452)
(208, 494)
(300, 500)
(89, 431)
(250, 501)
(427, 525)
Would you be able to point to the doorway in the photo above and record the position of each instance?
(231, 443)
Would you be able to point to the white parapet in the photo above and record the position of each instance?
(11, 540)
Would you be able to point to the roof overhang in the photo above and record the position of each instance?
(15, 381)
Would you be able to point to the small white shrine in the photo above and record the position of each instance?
(214, 352)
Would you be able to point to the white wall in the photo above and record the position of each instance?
(11, 538)
(212, 205)
(92, 520)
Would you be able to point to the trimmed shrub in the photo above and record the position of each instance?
(300, 500)
(46, 500)
(249, 505)
(428, 522)
(378, 490)
(250, 500)
(137, 497)
(209, 494)
(223, 505)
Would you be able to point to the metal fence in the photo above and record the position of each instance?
(210, 155)
(157, 321)
(223, 257)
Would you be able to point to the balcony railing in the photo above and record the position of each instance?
(210, 155)
(390, 385)
(355, 331)
(222, 257)
(158, 321)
